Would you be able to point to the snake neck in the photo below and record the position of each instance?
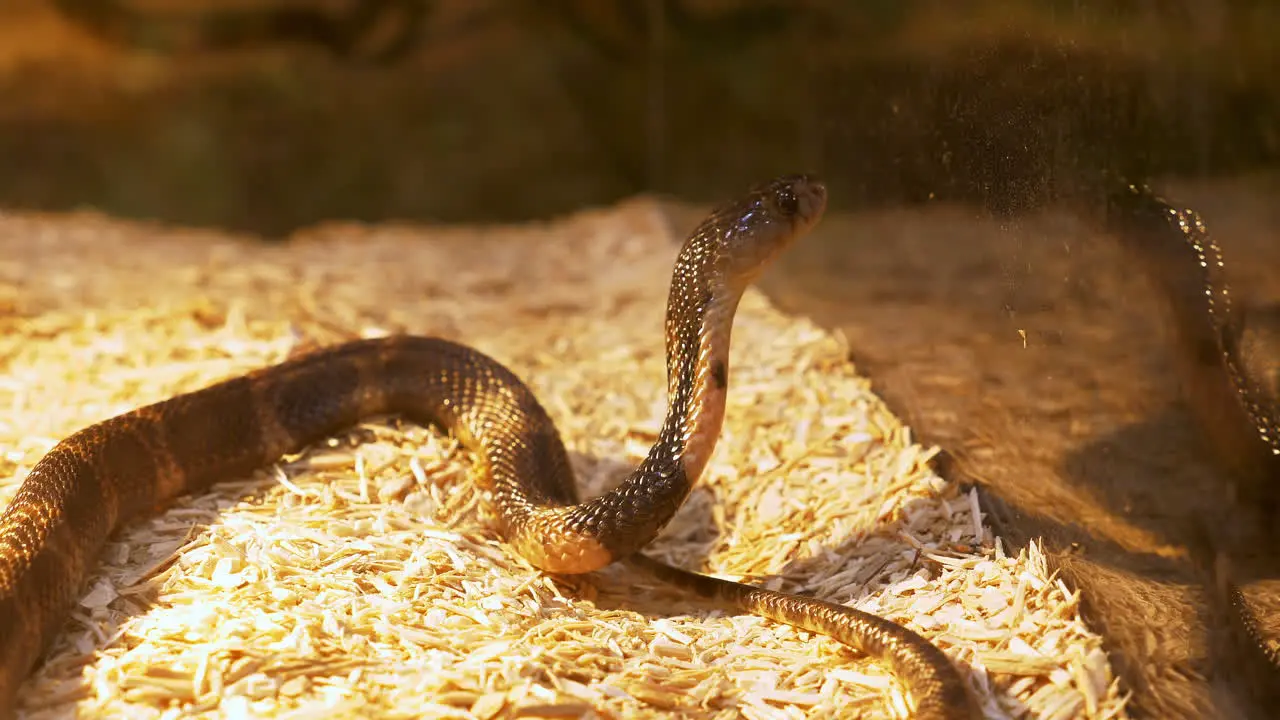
(700, 309)
(700, 316)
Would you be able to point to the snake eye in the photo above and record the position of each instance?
(799, 198)
(787, 201)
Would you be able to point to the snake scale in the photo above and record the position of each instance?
(98, 478)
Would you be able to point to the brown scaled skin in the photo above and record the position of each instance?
(100, 477)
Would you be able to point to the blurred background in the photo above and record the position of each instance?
(264, 115)
(971, 147)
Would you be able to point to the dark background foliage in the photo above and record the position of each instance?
(1004, 333)
(264, 115)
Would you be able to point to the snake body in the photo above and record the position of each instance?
(99, 477)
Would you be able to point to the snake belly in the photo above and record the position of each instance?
(100, 477)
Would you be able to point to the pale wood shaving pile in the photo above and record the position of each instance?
(364, 578)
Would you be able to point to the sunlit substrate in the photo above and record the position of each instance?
(365, 578)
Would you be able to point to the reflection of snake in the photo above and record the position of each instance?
(94, 480)
(1223, 358)
(1227, 361)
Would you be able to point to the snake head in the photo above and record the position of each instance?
(800, 199)
(746, 234)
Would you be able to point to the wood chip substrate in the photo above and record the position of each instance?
(364, 578)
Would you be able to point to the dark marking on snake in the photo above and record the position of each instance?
(719, 375)
(108, 473)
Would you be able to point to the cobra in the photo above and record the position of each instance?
(100, 477)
